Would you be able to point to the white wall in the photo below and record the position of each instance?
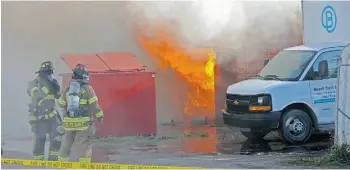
(314, 32)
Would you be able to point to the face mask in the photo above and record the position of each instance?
(51, 77)
(86, 78)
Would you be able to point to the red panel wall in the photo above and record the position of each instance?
(128, 101)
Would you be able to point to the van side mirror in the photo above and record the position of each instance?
(265, 62)
(323, 68)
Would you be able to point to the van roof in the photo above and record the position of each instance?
(318, 47)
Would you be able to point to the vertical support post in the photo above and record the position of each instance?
(342, 121)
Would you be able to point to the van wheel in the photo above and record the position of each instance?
(295, 126)
(255, 135)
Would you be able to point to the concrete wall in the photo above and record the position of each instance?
(33, 32)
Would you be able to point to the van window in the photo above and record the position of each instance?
(332, 58)
(287, 65)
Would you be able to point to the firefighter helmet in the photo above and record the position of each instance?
(46, 68)
(80, 72)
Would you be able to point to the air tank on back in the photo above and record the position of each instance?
(73, 99)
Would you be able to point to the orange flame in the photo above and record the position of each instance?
(196, 66)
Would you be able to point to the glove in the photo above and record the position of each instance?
(51, 77)
(58, 138)
(100, 120)
(32, 107)
(57, 95)
(33, 127)
(60, 130)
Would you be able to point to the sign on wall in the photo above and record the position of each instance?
(326, 21)
(329, 19)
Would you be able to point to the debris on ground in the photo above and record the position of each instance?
(131, 140)
(337, 156)
(191, 135)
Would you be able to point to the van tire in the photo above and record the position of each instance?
(296, 127)
(255, 135)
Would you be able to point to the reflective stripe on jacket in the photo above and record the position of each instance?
(47, 116)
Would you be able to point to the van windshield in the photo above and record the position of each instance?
(287, 65)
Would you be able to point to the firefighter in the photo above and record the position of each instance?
(80, 103)
(43, 118)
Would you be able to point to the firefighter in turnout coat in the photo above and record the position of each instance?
(80, 103)
(43, 118)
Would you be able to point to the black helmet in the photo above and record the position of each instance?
(80, 72)
(46, 68)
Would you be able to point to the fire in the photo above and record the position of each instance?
(196, 66)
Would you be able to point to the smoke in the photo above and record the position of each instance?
(233, 28)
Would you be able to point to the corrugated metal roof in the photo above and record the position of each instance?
(121, 61)
(91, 61)
(103, 62)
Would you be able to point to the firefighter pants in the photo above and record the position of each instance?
(41, 128)
(82, 140)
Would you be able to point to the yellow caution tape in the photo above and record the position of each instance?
(84, 165)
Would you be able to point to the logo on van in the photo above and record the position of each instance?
(329, 19)
(235, 102)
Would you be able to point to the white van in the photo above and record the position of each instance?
(294, 93)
